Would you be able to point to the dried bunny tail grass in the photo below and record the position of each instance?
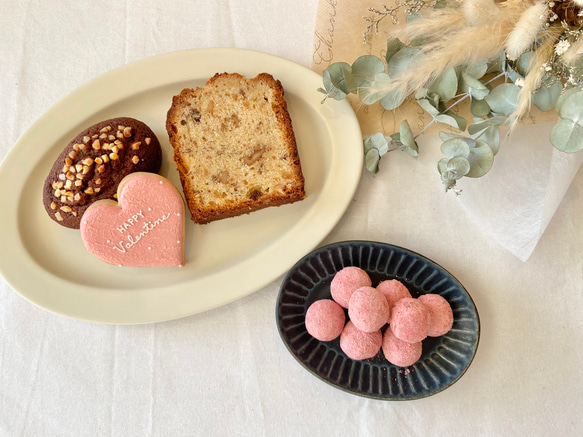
(533, 79)
(531, 23)
(573, 53)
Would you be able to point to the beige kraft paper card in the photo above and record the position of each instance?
(339, 37)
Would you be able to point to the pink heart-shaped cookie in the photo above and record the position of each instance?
(145, 229)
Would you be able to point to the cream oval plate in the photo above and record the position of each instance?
(225, 260)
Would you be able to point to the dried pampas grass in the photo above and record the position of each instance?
(528, 28)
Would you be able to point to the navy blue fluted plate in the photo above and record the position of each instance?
(444, 360)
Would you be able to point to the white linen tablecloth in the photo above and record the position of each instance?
(226, 372)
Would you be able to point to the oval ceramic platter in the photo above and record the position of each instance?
(444, 360)
(225, 260)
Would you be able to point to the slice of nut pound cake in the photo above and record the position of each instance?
(234, 147)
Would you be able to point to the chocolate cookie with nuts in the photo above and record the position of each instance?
(93, 164)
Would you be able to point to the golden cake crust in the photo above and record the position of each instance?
(234, 147)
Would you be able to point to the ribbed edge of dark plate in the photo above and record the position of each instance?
(445, 359)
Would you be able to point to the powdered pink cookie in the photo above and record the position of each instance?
(393, 290)
(346, 282)
(440, 312)
(399, 352)
(368, 309)
(325, 320)
(410, 320)
(145, 229)
(358, 344)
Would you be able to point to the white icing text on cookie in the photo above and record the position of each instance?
(132, 240)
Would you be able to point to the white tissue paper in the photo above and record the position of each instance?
(516, 200)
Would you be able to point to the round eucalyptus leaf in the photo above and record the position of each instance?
(407, 139)
(371, 161)
(523, 63)
(479, 108)
(376, 141)
(455, 147)
(442, 165)
(393, 46)
(481, 159)
(564, 96)
(393, 99)
(446, 84)
(477, 69)
(371, 91)
(571, 107)
(546, 97)
(403, 59)
(452, 119)
(366, 67)
(503, 98)
(567, 136)
(428, 107)
(332, 86)
(471, 85)
(458, 166)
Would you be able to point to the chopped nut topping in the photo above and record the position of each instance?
(127, 132)
(105, 158)
(69, 161)
(74, 213)
(135, 159)
(118, 143)
(62, 176)
(77, 197)
(120, 127)
(59, 216)
(148, 140)
(119, 134)
(96, 145)
(79, 167)
(115, 196)
(72, 154)
(57, 193)
(106, 146)
(136, 145)
(79, 175)
(98, 161)
(113, 156)
(86, 169)
(68, 185)
(111, 137)
(66, 208)
(101, 169)
(86, 139)
(53, 205)
(70, 176)
(104, 129)
(55, 185)
(103, 136)
(78, 182)
(94, 136)
(115, 149)
(63, 199)
(76, 147)
(89, 190)
(97, 190)
(88, 161)
(98, 181)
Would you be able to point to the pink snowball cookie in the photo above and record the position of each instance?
(440, 313)
(394, 290)
(325, 320)
(346, 282)
(358, 344)
(410, 320)
(368, 309)
(399, 352)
